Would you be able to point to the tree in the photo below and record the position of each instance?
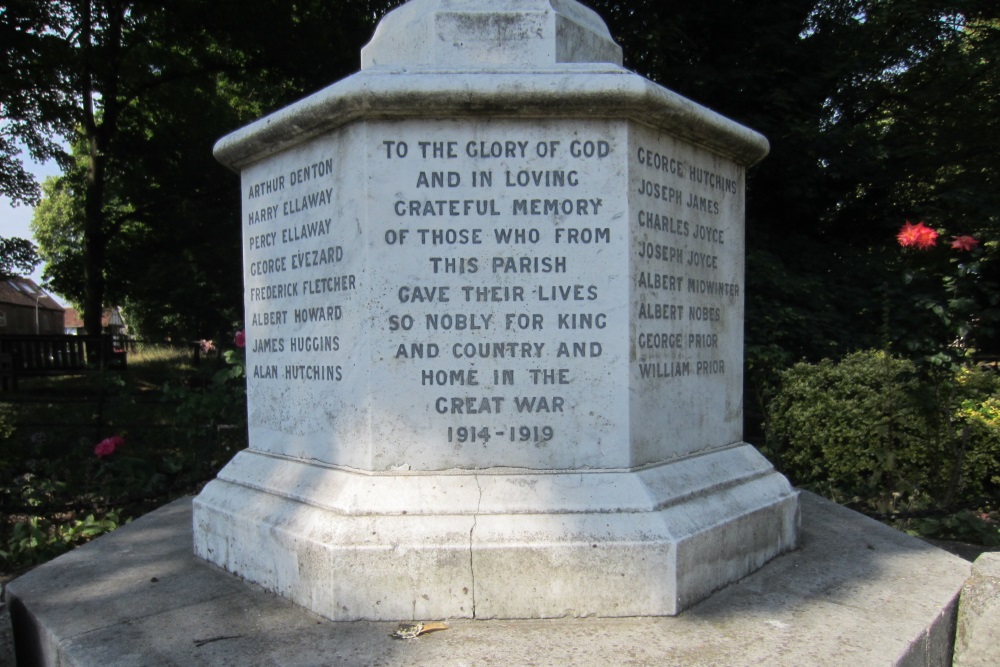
(859, 99)
(18, 257)
(32, 110)
(57, 224)
(877, 112)
(147, 97)
(76, 70)
(919, 135)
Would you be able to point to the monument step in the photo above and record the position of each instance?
(855, 593)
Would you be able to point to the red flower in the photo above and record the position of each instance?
(964, 243)
(108, 446)
(240, 339)
(917, 236)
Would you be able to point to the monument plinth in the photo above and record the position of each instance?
(494, 314)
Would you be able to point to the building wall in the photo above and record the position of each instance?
(21, 320)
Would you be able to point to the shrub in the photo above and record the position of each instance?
(870, 429)
(977, 422)
(37, 539)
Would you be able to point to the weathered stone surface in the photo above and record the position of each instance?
(6, 635)
(977, 641)
(581, 91)
(484, 34)
(492, 545)
(494, 334)
(855, 593)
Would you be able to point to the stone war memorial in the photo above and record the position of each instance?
(494, 289)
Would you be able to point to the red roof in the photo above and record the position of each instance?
(72, 319)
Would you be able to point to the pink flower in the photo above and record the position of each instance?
(917, 236)
(108, 446)
(240, 339)
(207, 346)
(964, 243)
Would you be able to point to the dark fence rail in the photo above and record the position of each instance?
(23, 355)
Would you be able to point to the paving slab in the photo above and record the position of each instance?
(855, 593)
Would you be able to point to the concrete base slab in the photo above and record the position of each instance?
(854, 593)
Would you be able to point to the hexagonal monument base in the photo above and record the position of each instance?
(494, 326)
(496, 544)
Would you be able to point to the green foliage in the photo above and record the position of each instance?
(34, 533)
(873, 431)
(849, 425)
(215, 397)
(18, 257)
(945, 304)
(56, 224)
(210, 409)
(38, 539)
(56, 492)
(964, 526)
(32, 58)
(203, 410)
(6, 422)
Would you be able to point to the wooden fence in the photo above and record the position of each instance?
(24, 355)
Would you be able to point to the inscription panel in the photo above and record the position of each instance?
(459, 294)
(305, 285)
(686, 222)
(502, 317)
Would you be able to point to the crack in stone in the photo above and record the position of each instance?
(472, 569)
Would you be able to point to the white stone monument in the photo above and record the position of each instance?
(494, 314)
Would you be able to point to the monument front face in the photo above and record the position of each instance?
(494, 336)
(483, 314)
(431, 295)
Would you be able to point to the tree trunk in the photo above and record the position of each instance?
(95, 237)
(94, 243)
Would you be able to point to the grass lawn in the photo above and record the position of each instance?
(179, 422)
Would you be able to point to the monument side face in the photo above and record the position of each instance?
(687, 275)
(494, 316)
(305, 248)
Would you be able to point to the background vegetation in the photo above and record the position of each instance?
(878, 112)
(81, 455)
